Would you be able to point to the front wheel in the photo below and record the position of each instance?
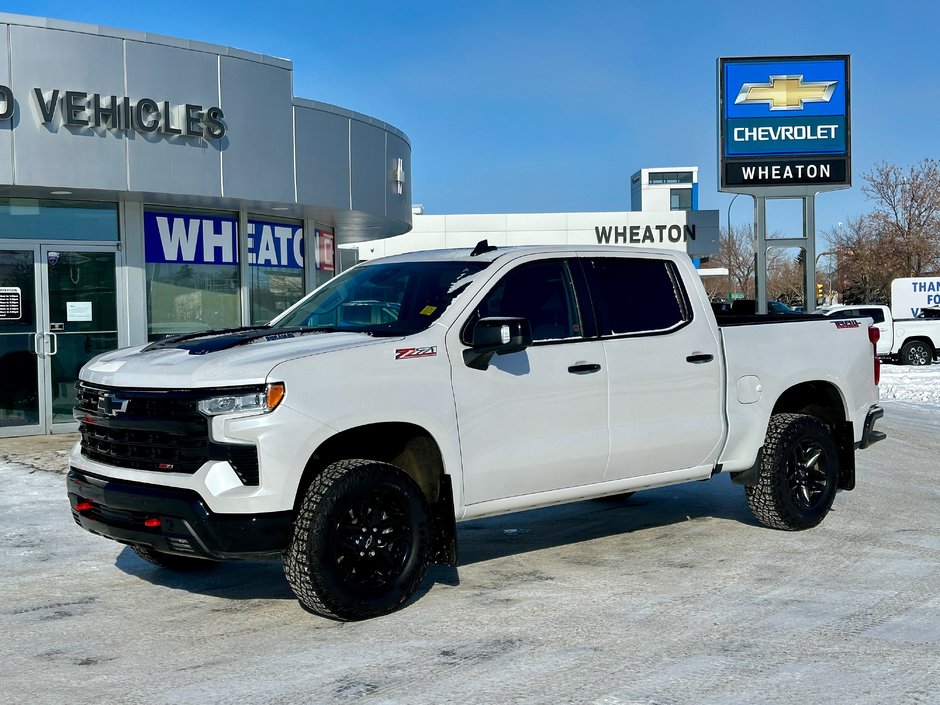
(798, 473)
(360, 543)
(916, 352)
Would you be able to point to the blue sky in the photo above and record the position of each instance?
(544, 106)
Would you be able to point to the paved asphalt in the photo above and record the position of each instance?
(673, 596)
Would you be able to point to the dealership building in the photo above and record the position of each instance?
(664, 214)
(152, 185)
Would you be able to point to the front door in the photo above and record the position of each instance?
(536, 420)
(58, 309)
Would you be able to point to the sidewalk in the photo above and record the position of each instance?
(49, 453)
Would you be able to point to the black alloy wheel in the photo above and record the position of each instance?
(808, 474)
(371, 541)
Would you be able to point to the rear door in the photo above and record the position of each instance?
(663, 364)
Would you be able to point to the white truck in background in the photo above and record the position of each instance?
(353, 432)
(910, 341)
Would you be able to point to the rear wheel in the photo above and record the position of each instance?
(360, 543)
(798, 473)
(916, 352)
(173, 561)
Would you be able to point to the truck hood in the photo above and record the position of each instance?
(214, 359)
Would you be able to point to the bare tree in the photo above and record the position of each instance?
(867, 259)
(736, 253)
(907, 215)
(785, 279)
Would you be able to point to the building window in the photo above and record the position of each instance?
(670, 177)
(275, 267)
(277, 257)
(36, 218)
(192, 272)
(680, 199)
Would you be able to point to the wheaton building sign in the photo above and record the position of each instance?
(144, 115)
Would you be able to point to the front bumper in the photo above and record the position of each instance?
(118, 509)
(869, 435)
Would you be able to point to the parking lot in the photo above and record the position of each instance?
(673, 596)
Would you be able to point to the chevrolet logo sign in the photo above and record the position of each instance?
(786, 92)
(112, 405)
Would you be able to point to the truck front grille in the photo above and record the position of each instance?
(157, 431)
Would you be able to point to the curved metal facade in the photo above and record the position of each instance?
(128, 116)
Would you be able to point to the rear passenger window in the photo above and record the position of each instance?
(633, 295)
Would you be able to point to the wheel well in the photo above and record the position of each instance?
(918, 339)
(404, 445)
(819, 399)
(822, 400)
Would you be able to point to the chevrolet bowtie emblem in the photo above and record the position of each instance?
(786, 92)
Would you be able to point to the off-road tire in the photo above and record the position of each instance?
(360, 543)
(798, 474)
(173, 561)
(916, 352)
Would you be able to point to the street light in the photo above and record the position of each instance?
(733, 199)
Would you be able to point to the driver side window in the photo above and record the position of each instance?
(541, 292)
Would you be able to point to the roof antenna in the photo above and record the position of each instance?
(482, 246)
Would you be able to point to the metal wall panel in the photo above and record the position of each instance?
(258, 161)
(397, 206)
(166, 163)
(322, 157)
(52, 154)
(6, 126)
(370, 175)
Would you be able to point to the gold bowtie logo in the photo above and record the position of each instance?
(786, 92)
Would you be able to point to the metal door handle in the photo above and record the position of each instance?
(699, 358)
(584, 368)
(36, 343)
(55, 340)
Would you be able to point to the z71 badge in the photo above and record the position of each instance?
(409, 353)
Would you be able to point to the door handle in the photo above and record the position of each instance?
(584, 368)
(36, 343)
(55, 343)
(699, 358)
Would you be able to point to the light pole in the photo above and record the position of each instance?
(729, 243)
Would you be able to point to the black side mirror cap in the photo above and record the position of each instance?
(496, 336)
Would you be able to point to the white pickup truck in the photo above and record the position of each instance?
(912, 341)
(413, 392)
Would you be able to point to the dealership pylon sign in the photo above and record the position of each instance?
(784, 124)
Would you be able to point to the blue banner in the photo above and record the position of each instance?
(810, 135)
(275, 245)
(190, 239)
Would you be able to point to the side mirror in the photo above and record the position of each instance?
(496, 336)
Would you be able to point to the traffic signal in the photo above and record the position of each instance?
(819, 290)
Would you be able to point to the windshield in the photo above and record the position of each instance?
(398, 298)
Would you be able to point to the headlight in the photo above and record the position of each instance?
(261, 402)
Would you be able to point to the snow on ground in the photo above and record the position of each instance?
(911, 384)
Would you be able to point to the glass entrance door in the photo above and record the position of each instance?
(20, 371)
(58, 309)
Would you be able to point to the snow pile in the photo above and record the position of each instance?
(914, 384)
